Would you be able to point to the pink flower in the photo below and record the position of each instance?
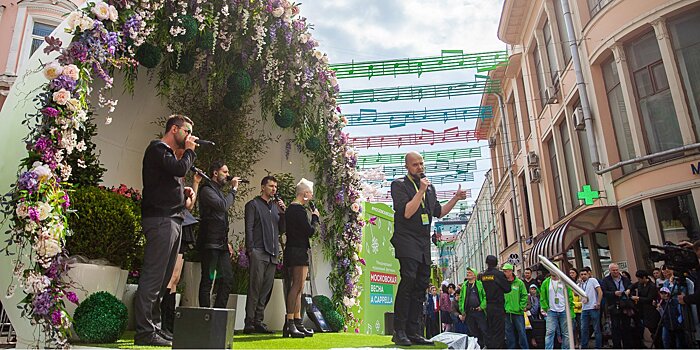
(61, 96)
(71, 71)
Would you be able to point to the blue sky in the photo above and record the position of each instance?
(363, 30)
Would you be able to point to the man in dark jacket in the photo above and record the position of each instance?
(495, 287)
(614, 287)
(644, 293)
(213, 245)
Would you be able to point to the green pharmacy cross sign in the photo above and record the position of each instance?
(588, 195)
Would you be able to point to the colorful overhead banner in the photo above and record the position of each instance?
(437, 167)
(438, 179)
(426, 137)
(441, 196)
(401, 118)
(449, 155)
(448, 60)
(401, 93)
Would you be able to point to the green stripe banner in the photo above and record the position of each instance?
(420, 92)
(401, 118)
(448, 60)
(437, 167)
(448, 155)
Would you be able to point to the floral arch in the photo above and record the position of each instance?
(229, 54)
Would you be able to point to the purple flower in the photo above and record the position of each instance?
(50, 112)
(56, 317)
(72, 297)
(66, 201)
(76, 51)
(42, 304)
(132, 26)
(28, 181)
(33, 214)
(243, 259)
(363, 262)
(62, 82)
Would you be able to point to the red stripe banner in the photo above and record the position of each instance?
(426, 137)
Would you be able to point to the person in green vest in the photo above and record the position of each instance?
(553, 309)
(515, 304)
(472, 306)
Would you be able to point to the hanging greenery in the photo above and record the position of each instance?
(266, 39)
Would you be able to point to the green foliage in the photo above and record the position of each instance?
(323, 303)
(286, 187)
(91, 173)
(239, 82)
(105, 225)
(191, 28)
(205, 40)
(285, 118)
(101, 318)
(148, 55)
(335, 320)
(233, 100)
(185, 63)
(313, 144)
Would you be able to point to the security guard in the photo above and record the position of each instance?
(495, 286)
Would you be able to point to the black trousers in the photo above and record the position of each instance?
(408, 307)
(476, 326)
(216, 264)
(496, 320)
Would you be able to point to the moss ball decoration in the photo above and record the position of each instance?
(313, 143)
(323, 303)
(285, 118)
(101, 318)
(191, 28)
(186, 63)
(239, 81)
(233, 101)
(335, 320)
(148, 55)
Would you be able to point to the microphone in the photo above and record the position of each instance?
(204, 142)
(230, 177)
(200, 173)
(312, 206)
(422, 175)
(276, 197)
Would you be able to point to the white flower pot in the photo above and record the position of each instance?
(128, 300)
(191, 274)
(237, 301)
(276, 310)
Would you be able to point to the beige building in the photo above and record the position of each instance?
(640, 63)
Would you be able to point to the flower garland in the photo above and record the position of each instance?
(197, 41)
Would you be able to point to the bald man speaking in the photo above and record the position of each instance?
(415, 205)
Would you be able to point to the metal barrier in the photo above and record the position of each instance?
(7, 332)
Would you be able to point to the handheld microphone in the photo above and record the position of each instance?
(204, 142)
(230, 177)
(312, 206)
(422, 175)
(200, 173)
(276, 197)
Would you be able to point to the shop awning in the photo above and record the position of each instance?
(556, 242)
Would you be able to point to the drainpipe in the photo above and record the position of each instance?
(516, 215)
(667, 152)
(583, 95)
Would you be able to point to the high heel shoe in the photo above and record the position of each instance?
(290, 330)
(301, 328)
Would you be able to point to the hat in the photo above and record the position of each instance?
(665, 290)
(473, 270)
(507, 266)
(533, 286)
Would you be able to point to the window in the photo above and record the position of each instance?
(526, 201)
(677, 218)
(505, 231)
(640, 235)
(39, 31)
(551, 53)
(600, 240)
(516, 128)
(570, 165)
(618, 113)
(539, 73)
(686, 44)
(654, 99)
(524, 117)
(556, 181)
(561, 27)
(596, 5)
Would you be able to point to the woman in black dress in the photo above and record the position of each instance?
(296, 255)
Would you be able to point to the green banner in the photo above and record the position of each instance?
(420, 92)
(448, 60)
(448, 155)
(401, 118)
(380, 275)
(437, 167)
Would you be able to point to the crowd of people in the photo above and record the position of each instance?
(529, 312)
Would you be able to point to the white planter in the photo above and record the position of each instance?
(191, 275)
(128, 300)
(237, 301)
(90, 278)
(276, 310)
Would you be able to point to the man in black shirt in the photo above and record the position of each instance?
(213, 244)
(162, 206)
(264, 220)
(495, 287)
(415, 204)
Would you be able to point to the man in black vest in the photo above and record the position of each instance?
(264, 220)
(495, 286)
(162, 213)
(415, 204)
(213, 245)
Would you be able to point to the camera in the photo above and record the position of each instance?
(679, 259)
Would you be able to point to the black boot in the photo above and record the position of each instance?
(167, 311)
(301, 328)
(400, 338)
(290, 330)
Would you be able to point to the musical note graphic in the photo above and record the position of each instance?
(426, 137)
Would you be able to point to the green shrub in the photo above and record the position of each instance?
(105, 225)
(101, 318)
(323, 304)
(335, 320)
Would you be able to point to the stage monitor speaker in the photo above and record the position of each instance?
(388, 323)
(203, 328)
(314, 316)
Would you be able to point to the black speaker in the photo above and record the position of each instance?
(203, 328)
(388, 323)
(314, 319)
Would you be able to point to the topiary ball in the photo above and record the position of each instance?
(191, 28)
(148, 55)
(285, 118)
(335, 320)
(313, 143)
(186, 63)
(239, 81)
(101, 318)
(233, 101)
(323, 303)
(206, 40)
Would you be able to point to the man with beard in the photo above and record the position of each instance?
(213, 245)
(472, 305)
(162, 212)
(415, 204)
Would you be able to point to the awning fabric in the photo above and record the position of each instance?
(557, 241)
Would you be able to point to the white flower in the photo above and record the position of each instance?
(113, 14)
(108, 120)
(288, 13)
(303, 38)
(358, 270)
(36, 283)
(318, 54)
(47, 247)
(81, 116)
(80, 147)
(324, 59)
(348, 302)
(44, 210)
(52, 70)
(73, 104)
(71, 71)
(74, 19)
(86, 23)
(278, 12)
(61, 96)
(355, 207)
(333, 80)
(101, 10)
(41, 170)
(355, 257)
(22, 210)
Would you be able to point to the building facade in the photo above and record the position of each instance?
(640, 69)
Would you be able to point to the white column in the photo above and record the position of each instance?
(652, 222)
(627, 87)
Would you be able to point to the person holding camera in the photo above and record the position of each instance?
(614, 287)
(644, 294)
(213, 245)
(296, 255)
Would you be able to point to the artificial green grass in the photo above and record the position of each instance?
(275, 341)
